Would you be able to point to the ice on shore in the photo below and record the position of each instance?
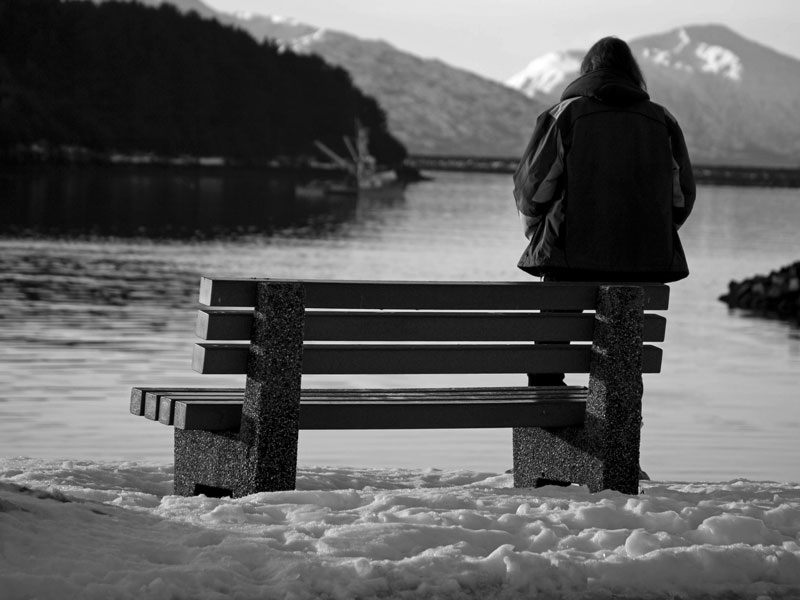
(113, 530)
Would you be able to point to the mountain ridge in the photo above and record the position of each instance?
(748, 125)
(435, 108)
(431, 106)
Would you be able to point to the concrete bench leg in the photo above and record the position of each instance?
(604, 453)
(262, 456)
(210, 463)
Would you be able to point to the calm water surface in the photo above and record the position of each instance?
(99, 279)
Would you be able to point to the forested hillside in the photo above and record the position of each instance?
(122, 77)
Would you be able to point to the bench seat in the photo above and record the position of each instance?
(404, 408)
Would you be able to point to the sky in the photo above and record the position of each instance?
(497, 38)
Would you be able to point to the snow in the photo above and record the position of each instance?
(719, 60)
(278, 19)
(113, 530)
(657, 56)
(545, 73)
(666, 58)
(709, 58)
(305, 42)
(549, 73)
(683, 41)
(246, 15)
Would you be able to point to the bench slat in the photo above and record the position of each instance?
(441, 415)
(139, 395)
(166, 403)
(356, 326)
(208, 415)
(429, 295)
(452, 408)
(167, 397)
(412, 394)
(329, 359)
(154, 403)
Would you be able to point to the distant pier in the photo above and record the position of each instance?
(705, 174)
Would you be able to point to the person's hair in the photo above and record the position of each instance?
(612, 53)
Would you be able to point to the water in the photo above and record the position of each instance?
(99, 285)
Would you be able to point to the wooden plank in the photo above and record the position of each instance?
(428, 295)
(356, 326)
(321, 415)
(208, 415)
(221, 359)
(139, 395)
(166, 409)
(654, 329)
(411, 326)
(441, 415)
(224, 324)
(432, 409)
(329, 359)
(444, 394)
(444, 358)
(151, 406)
(137, 401)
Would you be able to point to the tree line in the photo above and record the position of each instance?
(122, 77)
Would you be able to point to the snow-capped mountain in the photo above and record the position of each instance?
(736, 100)
(685, 50)
(547, 75)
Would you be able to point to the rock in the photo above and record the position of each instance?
(774, 295)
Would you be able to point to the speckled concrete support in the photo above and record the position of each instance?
(206, 460)
(604, 453)
(263, 455)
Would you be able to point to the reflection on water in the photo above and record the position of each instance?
(157, 202)
(86, 312)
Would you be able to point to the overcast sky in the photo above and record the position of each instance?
(497, 38)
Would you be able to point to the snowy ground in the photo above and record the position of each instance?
(113, 530)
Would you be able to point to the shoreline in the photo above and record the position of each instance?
(411, 168)
(734, 175)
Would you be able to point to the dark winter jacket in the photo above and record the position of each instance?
(604, 185)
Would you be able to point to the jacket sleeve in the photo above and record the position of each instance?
(683, 186)
(537, 179)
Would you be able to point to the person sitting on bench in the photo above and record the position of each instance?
(605, 182)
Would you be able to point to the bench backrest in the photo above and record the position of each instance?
(351, 327)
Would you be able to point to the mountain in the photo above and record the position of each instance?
(431, 107)
(736, 100)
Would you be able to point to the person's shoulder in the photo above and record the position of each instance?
(558, 110)
(667, 114)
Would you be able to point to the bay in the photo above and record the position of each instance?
(99, 276)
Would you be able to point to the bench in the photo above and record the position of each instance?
(238, 441)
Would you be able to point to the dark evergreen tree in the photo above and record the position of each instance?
(123, 77)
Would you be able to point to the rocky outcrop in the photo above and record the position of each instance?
(776, 294)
